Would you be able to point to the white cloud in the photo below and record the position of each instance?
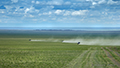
(37, 2)
(80, 12)
(67, 13)
(51, 6)
(36, 10)
(73, 13)
(94, 3)
(111, 2)
(39, 14)
(17, 9)
(31, 16)
(32, 1)
(14, 1)
(59, 12)
(79, 0)
(2, 12)
(28, 15)
(67, 3)
(92, 6)
(49, 13)
(73, 5)
(8, 7)
(102, 1)
(27, 10)
(55, 2)
(45, 13)
(31, 9)
(89, 0)
(104, 13)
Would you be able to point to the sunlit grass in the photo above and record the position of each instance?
(16, 51)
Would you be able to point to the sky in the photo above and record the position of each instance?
(59, 13)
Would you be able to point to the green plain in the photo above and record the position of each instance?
(16, 51)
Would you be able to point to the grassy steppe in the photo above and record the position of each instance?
(16, 51)
(21, 53)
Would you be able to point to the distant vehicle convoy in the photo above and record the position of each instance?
(62, 41)
(78, 43)
(29, 39)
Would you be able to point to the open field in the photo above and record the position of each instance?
(16, 51)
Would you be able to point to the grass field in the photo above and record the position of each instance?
(16, 51)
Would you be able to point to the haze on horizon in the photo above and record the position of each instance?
(59, 13)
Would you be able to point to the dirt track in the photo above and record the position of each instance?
(111, 58)
(94, 58)
(75, 63)
(113, 51)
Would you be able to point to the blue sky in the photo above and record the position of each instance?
(59, 13)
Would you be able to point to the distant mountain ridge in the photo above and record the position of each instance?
(59, 28)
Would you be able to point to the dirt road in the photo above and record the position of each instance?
(111, 58)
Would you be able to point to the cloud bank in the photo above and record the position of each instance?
(84, 12)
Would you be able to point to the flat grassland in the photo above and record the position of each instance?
(16, 51)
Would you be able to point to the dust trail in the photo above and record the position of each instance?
(37, 40)
(96, 41)
(46, 40)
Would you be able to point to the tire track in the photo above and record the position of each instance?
(111, 57)
(104, 60)
(92, 59)
(80, 65)
(76, 62)
(98, 63)
(113, 51)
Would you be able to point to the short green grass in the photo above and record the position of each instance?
(22, 53)
(16, 51)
